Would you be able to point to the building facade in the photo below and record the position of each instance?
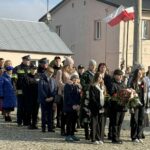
(80, 25)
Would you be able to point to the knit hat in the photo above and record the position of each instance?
(92, 62)
(8, 68)
(68, 61)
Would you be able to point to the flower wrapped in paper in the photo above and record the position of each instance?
(127, 97)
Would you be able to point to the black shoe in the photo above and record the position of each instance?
(143, 136)
(52, 130)
(117, 141)
(63, 133)
(43, 130)
(87, 138)
(9, 119)
(6, 118)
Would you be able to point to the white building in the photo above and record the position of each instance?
(79, 23)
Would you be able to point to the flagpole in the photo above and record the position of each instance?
(124, 33)
(127, 43)
(106, 28)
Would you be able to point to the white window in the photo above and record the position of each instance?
(97, 29)
(58, 30)
(145, 29)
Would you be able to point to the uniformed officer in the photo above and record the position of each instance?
(43, 64)
(18, 74)
(30, 90)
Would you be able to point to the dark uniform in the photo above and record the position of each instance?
(30, 90)
(18, 74)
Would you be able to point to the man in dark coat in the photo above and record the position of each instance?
(47, 89)
(30, 90)
(18, 74)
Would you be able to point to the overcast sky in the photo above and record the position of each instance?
(25, 9)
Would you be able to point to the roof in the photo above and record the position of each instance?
(126, 3)
(27, 36)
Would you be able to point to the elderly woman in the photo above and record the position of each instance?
(7, 93)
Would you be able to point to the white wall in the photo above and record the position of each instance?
(78, 32)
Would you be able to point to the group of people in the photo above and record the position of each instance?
(71, 97)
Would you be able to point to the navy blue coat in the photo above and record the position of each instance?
(7, 91)
(71, 97)
(46, 88)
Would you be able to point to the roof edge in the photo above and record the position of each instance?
(109, 3)
(54, 8)
(50, 53)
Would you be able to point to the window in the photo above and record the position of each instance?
(97, 29)
(145, 29)
(58, 30)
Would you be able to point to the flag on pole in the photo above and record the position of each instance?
(116, 17)
(131, 14)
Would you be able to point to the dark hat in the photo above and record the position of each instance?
(74, 77)
(43, 61)
(33, 67)
(8, 68)
(27, 57)
(80, 67)
(118, 72)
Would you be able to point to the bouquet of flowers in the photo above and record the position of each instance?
(127, 97)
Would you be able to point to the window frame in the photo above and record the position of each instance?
(147, 24)
(97, 30)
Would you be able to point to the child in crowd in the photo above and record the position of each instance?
(96, 105)
(71, 106)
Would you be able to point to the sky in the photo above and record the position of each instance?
(25, 9)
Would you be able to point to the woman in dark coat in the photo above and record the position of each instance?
(96, 105)
(7, 93)
(137, 114)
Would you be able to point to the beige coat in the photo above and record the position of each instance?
(62, 77)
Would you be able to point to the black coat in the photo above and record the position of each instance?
(20, 71)
(71, 97)
(108, 83)
(116, 87)
(94, 104)
(30, 87)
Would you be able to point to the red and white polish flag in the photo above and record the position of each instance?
(116, 17)
(121, 14)
(131, 14)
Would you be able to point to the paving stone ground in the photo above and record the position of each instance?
(13, 137)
